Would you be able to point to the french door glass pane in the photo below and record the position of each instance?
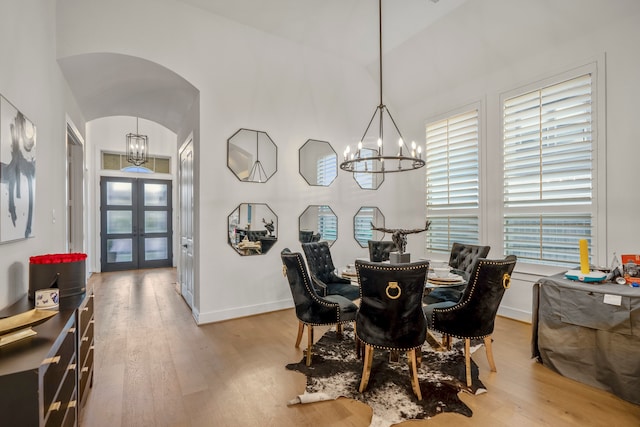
(119, 194)
(155, 248)
(155, 221)
(119, 222)
(155, 194)
(119, 250)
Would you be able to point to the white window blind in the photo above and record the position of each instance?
(327, 223)
(327, 169)
(548, 172)
(362, 225)
(452, 181)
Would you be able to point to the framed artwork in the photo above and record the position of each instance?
(17, 173)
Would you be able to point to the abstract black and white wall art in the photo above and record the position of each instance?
(17, 173)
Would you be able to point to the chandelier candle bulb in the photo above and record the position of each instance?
(584, 257)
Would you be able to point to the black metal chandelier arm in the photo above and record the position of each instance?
(411, 164)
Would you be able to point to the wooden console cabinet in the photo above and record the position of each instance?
(44, 378)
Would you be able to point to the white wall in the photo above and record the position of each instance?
(108, 135)
(31, 81)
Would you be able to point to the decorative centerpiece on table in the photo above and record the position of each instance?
(399, 237)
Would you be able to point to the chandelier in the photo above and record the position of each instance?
(137, 147)
(373, 159)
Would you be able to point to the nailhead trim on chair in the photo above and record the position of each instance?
(389, 267)
(313, 295)
(473, 288)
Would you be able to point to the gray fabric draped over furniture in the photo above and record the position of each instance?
(312, 309)
(461, 258)
(323, 275)
(474, 315)
(379, 250)
(589, 332)
(390, 316)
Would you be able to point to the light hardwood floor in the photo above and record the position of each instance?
(155, 367)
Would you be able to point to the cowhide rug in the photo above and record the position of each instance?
(335, 371)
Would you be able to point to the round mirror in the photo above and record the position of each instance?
(253, 229)
(252, 155)
(367, 180)
(362, 221)
(318, 163)
(318, 223)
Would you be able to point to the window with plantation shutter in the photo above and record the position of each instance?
(362, 225)
(327, 223)
(452, 181)
(548, 156)
(327, 169)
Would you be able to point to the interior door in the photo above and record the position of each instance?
(136, 226)
(185, 177)
(75, 192)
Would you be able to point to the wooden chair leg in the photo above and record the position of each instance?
(359, 344)
(339, 330)
(309, 343)
(366, 367)
(300, 330)
(467, 360)
(489, 350)
(411, 357)
(419, 356)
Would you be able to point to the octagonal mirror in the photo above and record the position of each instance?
(318, 163)
(318, 223)
(362, 221)
(367, 180)
(252, 229)
(252, 155)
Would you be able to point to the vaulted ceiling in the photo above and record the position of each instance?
(346, 28)
(106, 84)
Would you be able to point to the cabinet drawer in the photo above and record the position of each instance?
(64, 402)
(70, 419)
(85, 314)
(86, 342)
(85, 374)
(55, 366)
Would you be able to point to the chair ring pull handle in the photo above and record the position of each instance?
(392, 286)
(506, 281)
(284, 270)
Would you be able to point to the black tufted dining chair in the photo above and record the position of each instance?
(323, 274)
(390, 316)
(474, 315)
(461, 258)
(312, 309)
(379, 250)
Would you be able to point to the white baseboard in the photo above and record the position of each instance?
(250, 310)
(234, 313)
(514, 313)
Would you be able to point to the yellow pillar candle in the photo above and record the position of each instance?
(584, 257)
